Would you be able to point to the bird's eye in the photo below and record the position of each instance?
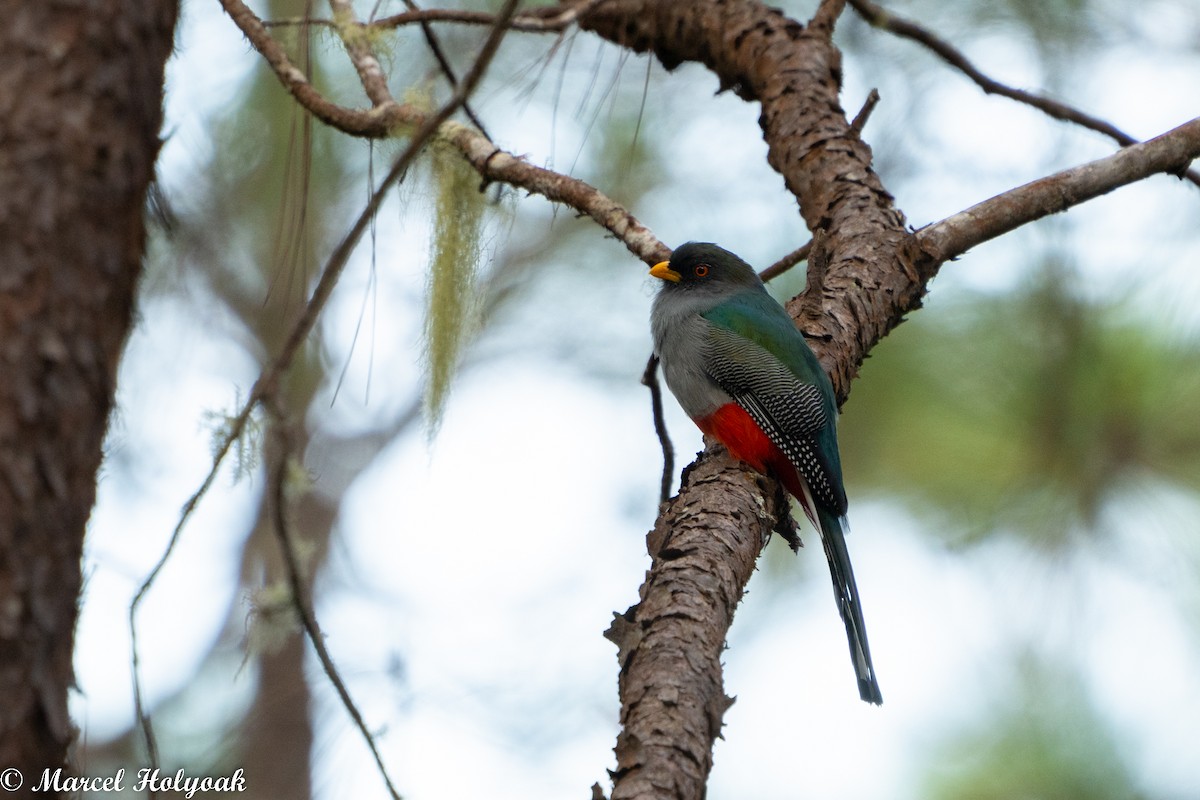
(700, 271)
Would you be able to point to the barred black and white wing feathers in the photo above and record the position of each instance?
(795, 415)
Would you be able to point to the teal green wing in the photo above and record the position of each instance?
(756, 355)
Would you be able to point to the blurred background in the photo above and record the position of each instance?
(1022, 456)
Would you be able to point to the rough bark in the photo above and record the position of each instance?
(704, 548)
(81, 86)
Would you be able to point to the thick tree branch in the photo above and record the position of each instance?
(869, 279)
(1169, 153)
(703, 548)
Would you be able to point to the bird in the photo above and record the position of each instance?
(744, 373)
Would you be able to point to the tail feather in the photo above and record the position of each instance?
(849, 605)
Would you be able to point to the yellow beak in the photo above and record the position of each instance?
(664, 272)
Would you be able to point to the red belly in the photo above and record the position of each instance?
(737, 430)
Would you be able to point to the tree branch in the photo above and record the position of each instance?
(787, 262)
(869, 276)
(860, 120)
(650, 381)
(495, 164)
(1170, 153)
(370, 73)
(547, 19)
(703, 549)
(492, 163)
(823, 21)
(794, 74)
(544, 19)
(879, 17)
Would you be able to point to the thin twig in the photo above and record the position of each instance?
(787, 262)
(650, 381)
(547, 19)
(234, 432)
(864, 113)
(435, 47)
(267, 383)
(301, 597)
(879, 17)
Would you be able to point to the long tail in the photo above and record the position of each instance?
(849, 604)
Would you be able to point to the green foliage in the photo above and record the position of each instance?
(1047, 741)
(1029, 413)
(453, 308)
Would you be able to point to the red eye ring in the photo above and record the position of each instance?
(700, 270)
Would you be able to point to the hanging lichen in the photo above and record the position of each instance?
(452, 310)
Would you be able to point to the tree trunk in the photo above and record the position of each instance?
(81, 85)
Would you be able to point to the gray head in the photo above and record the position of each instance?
(706, 268)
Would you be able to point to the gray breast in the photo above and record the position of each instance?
(681, 341)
